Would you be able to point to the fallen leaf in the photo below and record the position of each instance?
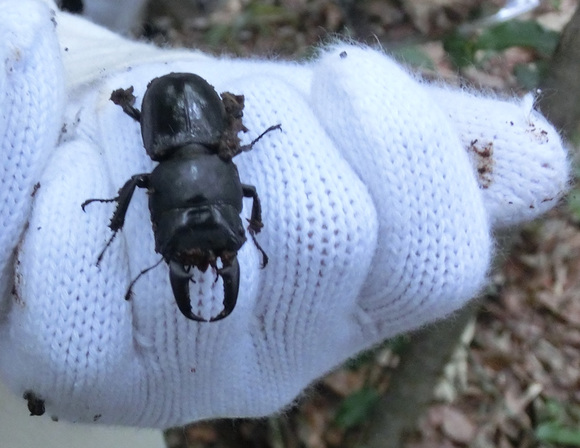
(457, 425)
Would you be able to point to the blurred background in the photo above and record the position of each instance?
(504, 372)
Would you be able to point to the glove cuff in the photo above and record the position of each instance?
(91, 52)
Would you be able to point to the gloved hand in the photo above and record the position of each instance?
(379, 198)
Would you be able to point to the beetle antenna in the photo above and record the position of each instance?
(253, 142)
(129, 292)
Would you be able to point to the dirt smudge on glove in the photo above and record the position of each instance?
(482, 156)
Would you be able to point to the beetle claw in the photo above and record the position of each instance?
(231, 277)
(179, 279)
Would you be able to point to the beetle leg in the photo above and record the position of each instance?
(122, 199)
(231, 277)
(249, 191)
(256, 224)
(129, 292)
(88, 201)
(253, 142)
(126, 99)
(102, 252)
(264, 255)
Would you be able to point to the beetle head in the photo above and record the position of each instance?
(180, 109)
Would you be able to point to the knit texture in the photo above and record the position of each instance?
(31, 103)
(499, 139)
(376, 221)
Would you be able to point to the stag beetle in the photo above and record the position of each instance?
(195, 193)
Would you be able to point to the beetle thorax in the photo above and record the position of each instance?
(180, 109)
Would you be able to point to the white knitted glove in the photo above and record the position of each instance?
(379, 197)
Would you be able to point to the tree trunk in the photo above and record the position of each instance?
(411, 387)
(560, 97)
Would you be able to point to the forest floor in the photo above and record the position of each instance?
(514, 380)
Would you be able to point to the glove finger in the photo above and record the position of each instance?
(521, 164)
(434, 244)
(69, 336)
(321, 229)
(31, 100)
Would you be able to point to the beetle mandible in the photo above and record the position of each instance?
(195, 192)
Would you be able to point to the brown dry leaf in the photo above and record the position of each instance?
(552, 302)
(514, 417)
(435, 415)
(456, 425)
(333, 16)
(503, 442)
(334, 437)
(571, 337)
(497, 360)
(556, 20)
(432, 444)
(572, 312)
(202, 433)
(344, 382)
(550, 356)
(437, 15)
(514, 300)
(314, 422)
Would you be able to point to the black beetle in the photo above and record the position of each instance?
(195, 193)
